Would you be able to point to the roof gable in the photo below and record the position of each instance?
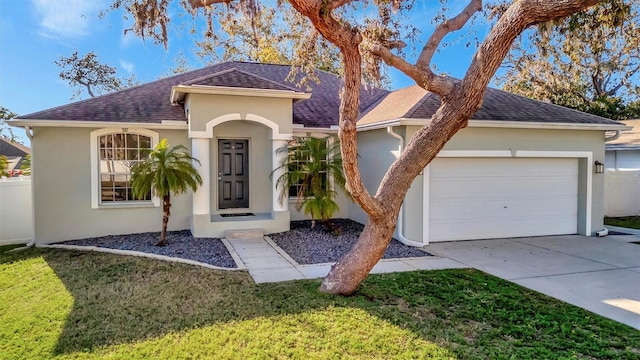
(239, 79)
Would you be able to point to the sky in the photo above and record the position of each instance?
(35, 33)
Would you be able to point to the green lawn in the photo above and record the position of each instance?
(77, 305)
(632, 222)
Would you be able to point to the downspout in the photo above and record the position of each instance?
(613, 137)
(29, 132)
(400, 225)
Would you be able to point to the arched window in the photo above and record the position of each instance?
(114, 152)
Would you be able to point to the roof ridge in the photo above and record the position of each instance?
(428, 94)
(16, 144)
(549, 104)
(245, 73)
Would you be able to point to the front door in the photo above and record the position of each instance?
(233, 174)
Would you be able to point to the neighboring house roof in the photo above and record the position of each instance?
(149, 103)
(628, 140)
(14, 151)
(12, 148)
(414, 102)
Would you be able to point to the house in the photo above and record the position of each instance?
(522, 167)
(623, 153)
(15, 154)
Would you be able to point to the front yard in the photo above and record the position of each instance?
(66, 304)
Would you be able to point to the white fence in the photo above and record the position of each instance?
(622, 193)
(16, 216)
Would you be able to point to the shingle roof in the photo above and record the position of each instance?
(10, 148)
(149, 103)
(497, 105)
(628, 140)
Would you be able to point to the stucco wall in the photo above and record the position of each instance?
(62, 191)
(204, 108)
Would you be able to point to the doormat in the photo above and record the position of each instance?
(237, 214)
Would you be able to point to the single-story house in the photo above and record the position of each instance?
(623, 153)
(521, 168)
(14, 152)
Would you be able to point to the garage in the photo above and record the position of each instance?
(480, 198)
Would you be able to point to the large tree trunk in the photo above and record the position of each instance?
(166, 212)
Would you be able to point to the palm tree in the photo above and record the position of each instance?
(306, 171)
(165, 171)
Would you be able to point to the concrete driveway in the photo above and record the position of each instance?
(598, 274)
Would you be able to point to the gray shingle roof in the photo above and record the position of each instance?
(497, 105)
(10, 148)
(149, 103)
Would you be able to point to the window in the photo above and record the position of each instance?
(113, 153)
(307, 164)
(118, 153)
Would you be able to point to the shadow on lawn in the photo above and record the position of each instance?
(120, 299)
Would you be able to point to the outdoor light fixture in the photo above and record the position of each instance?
(599, 167)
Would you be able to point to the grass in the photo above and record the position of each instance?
(6, 248)
(632, 222)
(76, 305)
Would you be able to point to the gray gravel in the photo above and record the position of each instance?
(180, 244)
(313, 246)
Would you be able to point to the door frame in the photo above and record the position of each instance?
(218, 176)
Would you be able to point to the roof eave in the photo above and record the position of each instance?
(499, 124)
(166, 124)
(178, 92)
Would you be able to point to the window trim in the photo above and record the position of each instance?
(95, 168)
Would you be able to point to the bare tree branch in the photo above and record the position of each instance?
(425, 78)
(445, 28)
(200, 3)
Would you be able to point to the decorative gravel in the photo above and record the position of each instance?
(180, 244)
(314, 246)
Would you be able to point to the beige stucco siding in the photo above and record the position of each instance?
(205, 108)
(62, 191)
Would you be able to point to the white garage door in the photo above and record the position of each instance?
(481, 198)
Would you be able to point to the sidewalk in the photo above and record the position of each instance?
(266, 262)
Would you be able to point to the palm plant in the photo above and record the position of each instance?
(307, 168)
(4, 165)
(165, 171)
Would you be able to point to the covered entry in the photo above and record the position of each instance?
(479, 198)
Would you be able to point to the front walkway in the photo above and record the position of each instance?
(598, 274)
(266, 262)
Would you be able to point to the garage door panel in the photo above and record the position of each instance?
(502, 209)
(457, 167)
(479, 198)
(469, 230)
(494, 186)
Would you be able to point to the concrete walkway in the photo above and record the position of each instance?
(598, 274)
(267, 262)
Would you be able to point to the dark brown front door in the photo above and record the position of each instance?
(233, 174)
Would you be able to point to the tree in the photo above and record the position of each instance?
(88, 73)
(25, 166)
(165, 171)
(279, 36)
(5, 129)
(4, 165)
(348, 27)
(309, 165)
(589, 61)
